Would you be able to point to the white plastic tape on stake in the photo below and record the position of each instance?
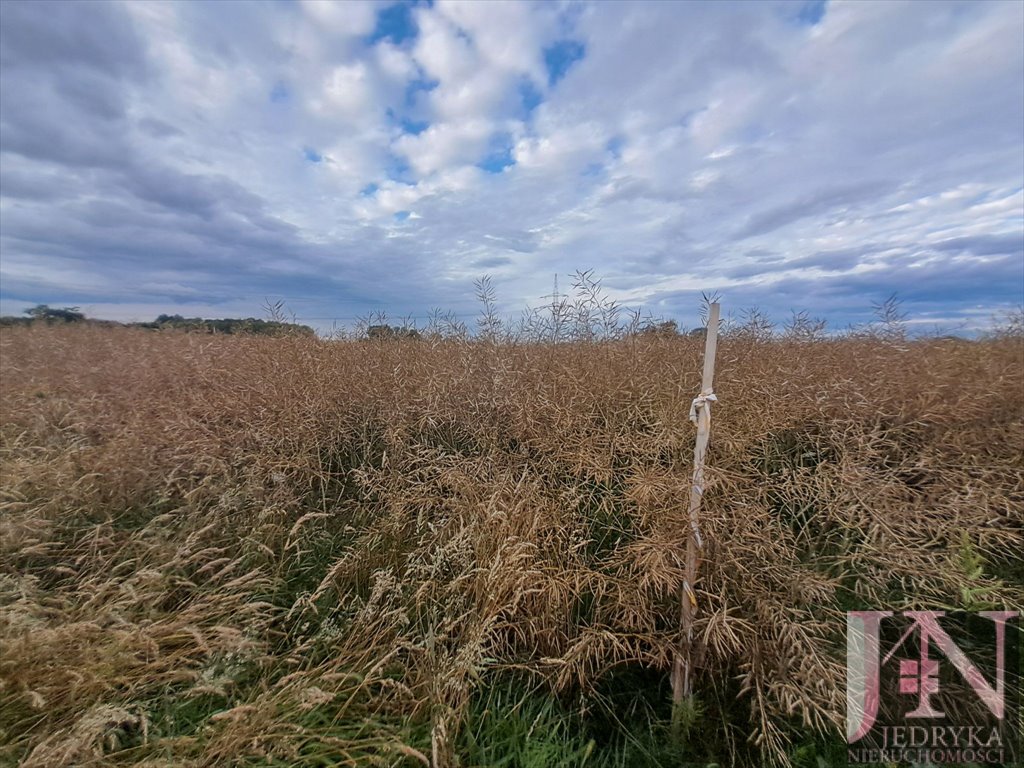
(699, 402)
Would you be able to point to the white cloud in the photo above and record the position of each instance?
(444, 53)
(444, 145)
(342, 17)
(347, 91)
(509, 36)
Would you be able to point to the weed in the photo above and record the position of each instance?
(231, 550)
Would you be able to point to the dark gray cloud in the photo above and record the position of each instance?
(815, 204)
(984, 245)
(840, 260)
(158, 128)
(492, 261)
(69, 35)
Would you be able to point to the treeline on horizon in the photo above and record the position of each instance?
(373, 327)
(585, 314)
(47, 315)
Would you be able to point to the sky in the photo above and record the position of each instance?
(347, 158)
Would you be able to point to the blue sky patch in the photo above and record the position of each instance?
(417, 86)
(530, 95)
(395, 23)
(560, 57)
(398, 169)
(402, 215)
(312, 155)
(280, 93)
(369, 190)
(811, 12)
(499, 157)
(415, 127)
(496, 162)
(407, 124)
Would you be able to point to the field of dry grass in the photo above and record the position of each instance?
(223, 551)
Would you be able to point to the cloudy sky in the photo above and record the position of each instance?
(199, 158)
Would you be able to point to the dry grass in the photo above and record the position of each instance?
(232, 550)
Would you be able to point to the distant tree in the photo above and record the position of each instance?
(384, 331)
(247, 325)
(666, 329)
(169, 319)
(49, 314)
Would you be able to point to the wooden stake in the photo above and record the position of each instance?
(682, 669)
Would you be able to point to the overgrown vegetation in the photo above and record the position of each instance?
(240, 550)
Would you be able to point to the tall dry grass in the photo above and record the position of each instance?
(237, 550)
